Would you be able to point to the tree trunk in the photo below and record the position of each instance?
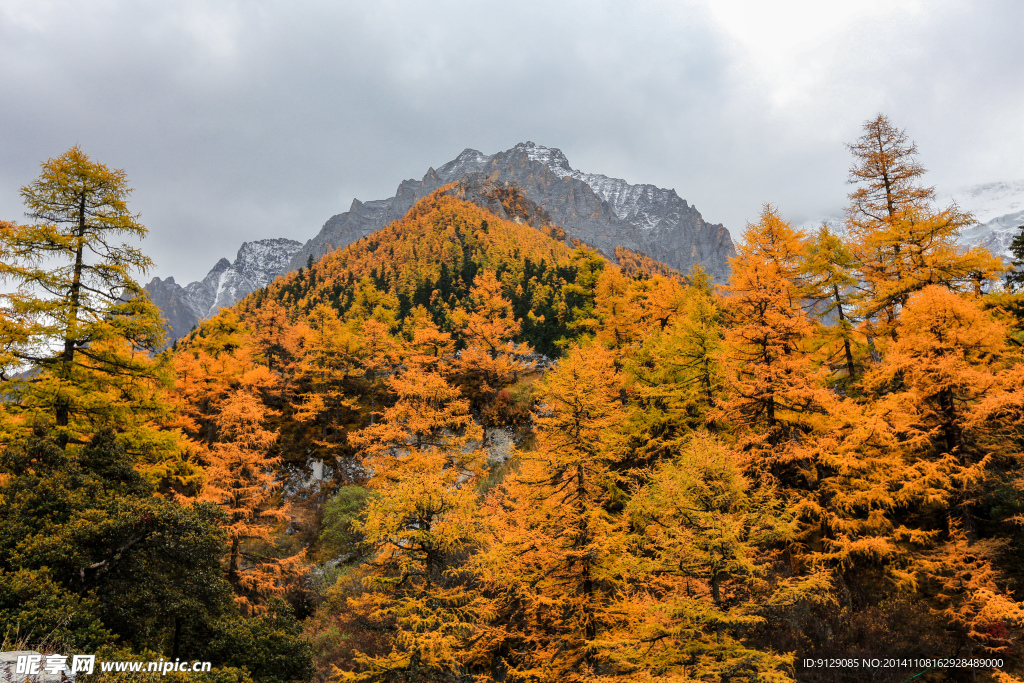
(846, 342)
(233, 577)
(63, 403)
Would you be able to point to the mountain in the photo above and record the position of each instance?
(639, 222)
(432, 256)
(999, 209)
(255, 266)
(598, 210)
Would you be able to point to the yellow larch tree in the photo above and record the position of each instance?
(76, 319)
(831, 283)
(427, 346)
(627, 310)
(421, 518)
(326, 361)
(676, 375)
(695, 572)
(901, 241)
(378, 354)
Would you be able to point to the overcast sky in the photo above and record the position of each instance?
(262, 118)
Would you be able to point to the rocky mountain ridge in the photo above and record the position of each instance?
(256, 265)
(598, 210)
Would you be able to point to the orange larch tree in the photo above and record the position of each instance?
(775, 392)
(944, 388)
(241, 479)
(221, 408)
(489, 362)
(545, 571)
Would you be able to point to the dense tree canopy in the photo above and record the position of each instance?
(461, 450)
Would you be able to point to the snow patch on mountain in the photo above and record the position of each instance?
(988, 201)
(645, 206)
(999, 209)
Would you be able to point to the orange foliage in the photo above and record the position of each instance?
(221, 410)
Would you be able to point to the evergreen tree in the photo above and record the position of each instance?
(1015, 277)
(88, 554)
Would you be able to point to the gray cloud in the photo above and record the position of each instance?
(244, 120)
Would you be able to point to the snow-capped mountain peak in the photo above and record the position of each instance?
(256, 265)
(552, 157)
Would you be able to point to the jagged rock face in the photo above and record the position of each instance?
(600, 211)
(176, 307)
(476, 188)
(255, 266)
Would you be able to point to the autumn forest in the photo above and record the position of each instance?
(466, 448)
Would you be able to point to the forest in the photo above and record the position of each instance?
(469, 449)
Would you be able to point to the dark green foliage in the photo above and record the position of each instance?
(269, 646)
(80, 531)
(34, 608)
(89, 557)
(1015, 277)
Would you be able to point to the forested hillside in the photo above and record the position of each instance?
(461, 450)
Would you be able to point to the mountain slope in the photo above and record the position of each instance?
(621, 220)
(999, 209)
(431, 256)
